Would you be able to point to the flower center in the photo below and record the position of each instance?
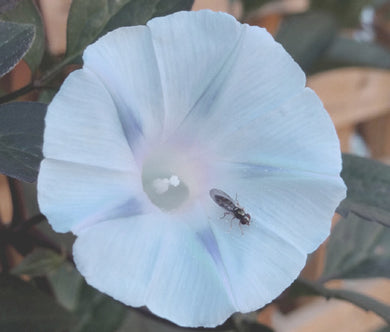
(165, 191)
(165, 179)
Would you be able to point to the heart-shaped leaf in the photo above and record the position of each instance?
(26, 12)
(15, 40)
(21, 137)
(25, 308)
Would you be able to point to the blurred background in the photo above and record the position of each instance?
(344, 48)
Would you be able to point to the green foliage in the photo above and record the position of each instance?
(359, 246)
(138, 12)
(346, 11)
(26, 12)
(63, 240)
(21, 136)
(307, 36)
(251, 5)
(368, 184)
(86, 21)
(15, 40)
(88, 309)
(143, 320)
(47, 95)
(251, 325)
(345, 51)
(305, 287)
(66, 283)
(358, 249)
(88, 18)
(6, 5)
(312, 40)
(98, 312)
(25, 308)
(39, 263)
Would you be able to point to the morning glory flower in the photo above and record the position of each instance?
(160, 115)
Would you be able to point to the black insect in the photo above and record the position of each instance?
(226, 202)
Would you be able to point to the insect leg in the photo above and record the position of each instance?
(224, 215)
(231, 221)
(242, 232)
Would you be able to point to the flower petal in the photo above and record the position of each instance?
(284, 166)
(298, 206)
(125, 62)
(259, 264)
(221, 76)
(158, 261)
(192, 51)
(239, 99)
(298, 135)
(82, 126)
(73, 196)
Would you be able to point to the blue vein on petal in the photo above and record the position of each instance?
(128, 209)
(221, 76)
(131, 128)
(264, 171)
(250, 170)
(159, 77)
(208, 239)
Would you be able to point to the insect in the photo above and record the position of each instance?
(226, 202)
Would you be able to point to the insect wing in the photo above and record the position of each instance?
(222, 199)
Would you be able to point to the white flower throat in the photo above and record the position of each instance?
(171, 177)
(162, 185)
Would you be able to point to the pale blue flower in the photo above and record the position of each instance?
(158, 116)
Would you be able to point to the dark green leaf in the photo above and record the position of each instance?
(98, 312)
(66, 283)
(63, 240)
(384, 329)
(142, 320)
(88, 18)
(138, 12)
(27, 12)
(6, 5)
(307, 36)
(30, 198)
(247, 324)
(15, 40)
(47, 95)
(168, 7)
(347, 11)
(368, 184)
(38, 263)
(251, 5)
(25, 308)
(357, 249)
(363, 301)
(254, 327)
(349, 52)
(21, 136)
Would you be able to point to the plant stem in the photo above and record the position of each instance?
(39, 83)
(362, 301)
(4, 264)
(30, 222)
(228, 325)
(41, 240)
(17, 93)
